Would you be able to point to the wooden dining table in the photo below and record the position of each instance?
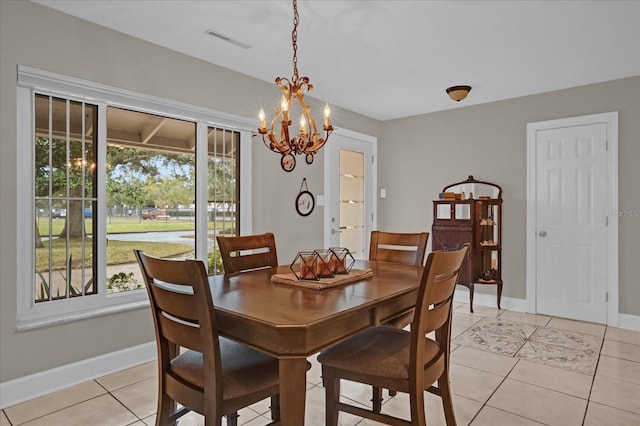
(293, 322)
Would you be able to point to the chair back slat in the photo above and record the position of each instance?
(176, 304)
(405, 257)
(248, 252)
(181, 334)
(408, 249)
(438, 316)
(442, 288)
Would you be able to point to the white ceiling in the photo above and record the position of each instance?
(391, 59)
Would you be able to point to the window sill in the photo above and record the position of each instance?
(25, 324)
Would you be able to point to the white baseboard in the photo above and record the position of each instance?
(629, 322)
(481, 299)
(25, 388)
(626, 321)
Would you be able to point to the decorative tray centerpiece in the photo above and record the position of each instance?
(322, 263)
(322, 268)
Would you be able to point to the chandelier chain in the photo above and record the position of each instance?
(294, 40)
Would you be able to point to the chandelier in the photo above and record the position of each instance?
(285, 142)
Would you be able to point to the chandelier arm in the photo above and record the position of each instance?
(269, 145)
(305, 108)
(276, 146)
(284, 83)
(313, 129)
(320, 142)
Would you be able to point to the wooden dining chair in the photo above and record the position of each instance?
(248, 252)
(408, 249)
(405, 248)
(408, 361)
(212, 375)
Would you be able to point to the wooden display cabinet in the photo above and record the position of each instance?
(470, 212)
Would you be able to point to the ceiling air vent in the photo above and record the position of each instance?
(227, 39)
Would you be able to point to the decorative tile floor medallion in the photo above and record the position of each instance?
(495, 335)
(550, 346)
(564, 349)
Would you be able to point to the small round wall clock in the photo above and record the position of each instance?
(305, 201)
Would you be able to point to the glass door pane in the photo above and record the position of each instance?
(352, 207)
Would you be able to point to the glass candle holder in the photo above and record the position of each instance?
(305, 266)
(324, 263)
(342, 260)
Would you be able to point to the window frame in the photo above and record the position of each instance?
(31, 81)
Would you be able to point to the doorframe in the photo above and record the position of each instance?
(329, 169)
(611, 213)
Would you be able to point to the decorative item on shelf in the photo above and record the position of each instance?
(305, 202)
(453, 247)
(488, 275)
(448, 196)
(342, 260)
(283, 140)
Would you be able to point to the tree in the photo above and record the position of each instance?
(140, 177)
(62, 172)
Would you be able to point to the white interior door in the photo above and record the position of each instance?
(570, 221)
(350, 177)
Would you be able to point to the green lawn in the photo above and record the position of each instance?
(118, 252)
(130, 224)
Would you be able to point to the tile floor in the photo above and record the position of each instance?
(507, 368)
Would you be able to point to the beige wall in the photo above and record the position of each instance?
(489, 142)
(40, 37)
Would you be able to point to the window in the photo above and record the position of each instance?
(64, 186)
(107, 172)
(223, 190)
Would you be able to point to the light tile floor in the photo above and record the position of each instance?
(507, 368)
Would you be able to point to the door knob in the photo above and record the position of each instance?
(542, 233)
(335, 231)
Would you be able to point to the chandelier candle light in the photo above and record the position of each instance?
(308, 141)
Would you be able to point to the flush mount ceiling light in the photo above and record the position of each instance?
(458, 93)
(283, 140)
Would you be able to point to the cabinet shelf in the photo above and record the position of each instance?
(473, 216)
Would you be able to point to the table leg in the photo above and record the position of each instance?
(293, 386)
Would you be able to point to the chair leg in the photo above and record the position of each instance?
(392, 392)
(165, 408)
(447, 400)
(275, 408)
(376, 399)
(232, 419)
(416, 398)
(332, 396)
